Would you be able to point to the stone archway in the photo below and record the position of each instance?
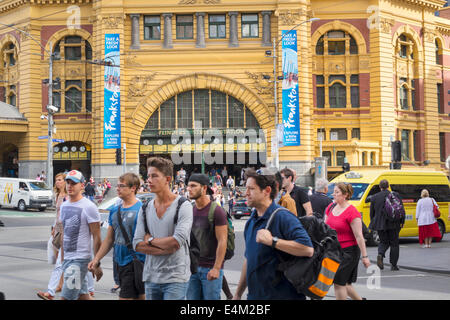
(151, 102)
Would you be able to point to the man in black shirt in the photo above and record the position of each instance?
(319, 199)
(301, 197)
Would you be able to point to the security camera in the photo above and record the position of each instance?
(52, 109)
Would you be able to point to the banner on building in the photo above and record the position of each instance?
(111, 122)
(291, 110)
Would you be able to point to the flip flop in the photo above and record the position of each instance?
(45, 295)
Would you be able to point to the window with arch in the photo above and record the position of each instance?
(405, 47)
(8, 67)
(72, 88)
(213, 108)
(336, 42)
(406, 65)
(407, 94)
(438, 51)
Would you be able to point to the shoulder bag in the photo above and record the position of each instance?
(138, 265)
(436, 211)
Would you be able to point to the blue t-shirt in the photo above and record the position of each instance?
(262, 260)
(129, 215)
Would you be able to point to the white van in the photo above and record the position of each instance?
(25, 193)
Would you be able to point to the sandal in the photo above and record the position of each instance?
(45, 295)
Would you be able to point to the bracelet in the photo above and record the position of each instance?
(364, 257)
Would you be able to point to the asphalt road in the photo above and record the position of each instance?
(24, 268)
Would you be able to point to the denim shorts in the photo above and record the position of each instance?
(200, 288)
(75, 281)
(165, 291)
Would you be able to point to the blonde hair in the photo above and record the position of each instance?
(55, 189)
(425, 193)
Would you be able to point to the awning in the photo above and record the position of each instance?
(11, 120)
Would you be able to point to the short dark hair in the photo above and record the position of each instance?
(162, 164)
(263, 181)
(384, 184)
(288, 173)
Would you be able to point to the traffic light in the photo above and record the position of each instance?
(118, 156)
(396, 149)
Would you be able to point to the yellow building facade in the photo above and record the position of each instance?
(369, 72)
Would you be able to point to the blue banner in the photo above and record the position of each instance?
(291, 110)
(111, 121)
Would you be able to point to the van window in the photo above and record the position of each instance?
(358, 190)
(440, 192)
(23, 186)
(38, 186)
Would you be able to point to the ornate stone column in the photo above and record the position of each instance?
(200, 42)
(167, 31)
(266, 28)
(135, 41)
(233, 29)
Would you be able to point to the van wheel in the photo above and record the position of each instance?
(441, 229)
(21, 206)
(373, 240)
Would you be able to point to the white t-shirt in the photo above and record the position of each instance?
(76, 217)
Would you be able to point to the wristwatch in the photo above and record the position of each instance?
(274, 241)
(150, 240)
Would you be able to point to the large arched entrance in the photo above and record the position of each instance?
(72, 155)
(204, 130)
(9, 161)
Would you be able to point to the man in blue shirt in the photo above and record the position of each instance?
(286, 237)
(129, 209)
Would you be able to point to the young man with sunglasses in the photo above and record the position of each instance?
(302, 202)
(129, 207)
(286, 235)
(81, 223)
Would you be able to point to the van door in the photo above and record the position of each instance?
(23, 194)
(8, 189)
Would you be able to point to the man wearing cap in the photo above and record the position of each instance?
(206, 284)
(81, 223)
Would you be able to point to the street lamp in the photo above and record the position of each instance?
(275, 81)
(50, 108)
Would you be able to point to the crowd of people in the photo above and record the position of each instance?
(153, 254)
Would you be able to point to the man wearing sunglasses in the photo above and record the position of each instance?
(81, 223)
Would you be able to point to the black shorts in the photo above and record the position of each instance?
(128, 289)
(347, 272)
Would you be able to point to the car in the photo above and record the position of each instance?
(105, 207)
(240, 209)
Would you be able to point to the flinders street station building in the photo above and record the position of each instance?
(244, 83)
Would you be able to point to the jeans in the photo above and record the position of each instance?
(200, 288)
(166, 291)
(75, 280)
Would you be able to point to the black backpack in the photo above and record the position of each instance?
(313, 276)
(194, 247)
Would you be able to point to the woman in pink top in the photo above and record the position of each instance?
(346, 220)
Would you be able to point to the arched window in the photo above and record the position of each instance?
(406, 64)
(336, 42)
(438, 51)
(213, 108)
(8, 71)
(72, 47)
(337, 96)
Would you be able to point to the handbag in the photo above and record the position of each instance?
(436, 211)
(138, 265)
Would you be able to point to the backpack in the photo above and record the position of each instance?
(194, 247)
(313, 276)
(393, 207)
(230, 230)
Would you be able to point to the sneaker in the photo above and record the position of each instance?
(45, 295)
(380, 262)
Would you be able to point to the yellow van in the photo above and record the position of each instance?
(409, 185)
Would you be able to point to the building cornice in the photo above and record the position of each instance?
(431, 4)
(7, 5)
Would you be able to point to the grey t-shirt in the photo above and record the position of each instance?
(76, 217)
(176, 266)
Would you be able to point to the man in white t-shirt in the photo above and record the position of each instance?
(81, 222)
